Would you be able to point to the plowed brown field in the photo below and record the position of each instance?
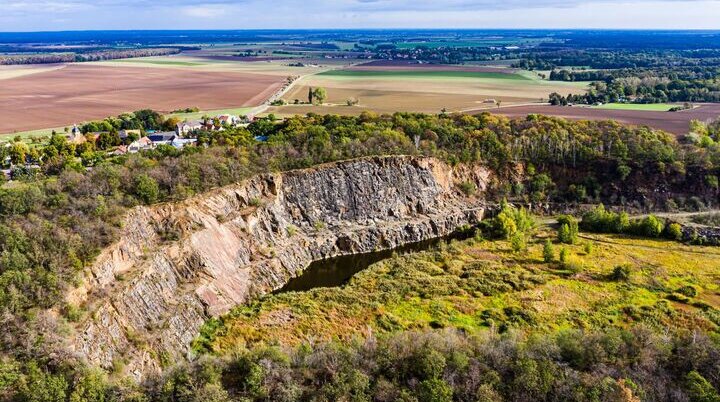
(77, 93)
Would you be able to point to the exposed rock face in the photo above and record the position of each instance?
(179, 264)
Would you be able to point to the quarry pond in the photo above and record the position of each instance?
(337, 271)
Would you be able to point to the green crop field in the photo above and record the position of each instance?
(415, 74)
(641, 107)
(196, 115)
(159, 62)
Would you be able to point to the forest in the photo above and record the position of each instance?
(55, 220)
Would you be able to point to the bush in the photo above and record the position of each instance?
(621, 273)
(563, 255)
(511, 220)
(518, 242)
(548, 252)
(650, 226)
(674, 231)
(568, 231)
(689, 291)
(468, 188)
(600, 220)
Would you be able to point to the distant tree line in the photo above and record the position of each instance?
(44, 58)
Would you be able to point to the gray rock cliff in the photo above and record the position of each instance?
(178, 264)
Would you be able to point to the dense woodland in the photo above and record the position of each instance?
(55, 220)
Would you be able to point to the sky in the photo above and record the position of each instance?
(53, 15)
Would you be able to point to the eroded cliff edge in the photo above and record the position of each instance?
(178, 264)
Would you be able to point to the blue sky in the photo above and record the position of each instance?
(32, 15)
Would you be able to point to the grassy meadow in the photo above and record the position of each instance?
(481, 285)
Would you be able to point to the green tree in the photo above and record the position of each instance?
(42, 386)
(318, 96)
(18, 152)
(700, 389)
(90, 387)
(435, 390)
(146, 188)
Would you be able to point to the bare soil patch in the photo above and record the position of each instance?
(78, 93)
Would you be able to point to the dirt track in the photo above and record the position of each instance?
(672, 122)
(78, 93)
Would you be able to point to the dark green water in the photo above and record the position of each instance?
(337, 271)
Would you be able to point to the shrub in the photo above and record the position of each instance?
(568, 231)
(511, 220)
(689, 291)
(468, 188)
(674, 231)
(650, 226)
(700, 389)
(621, 273)
(600, 220)
(588, 248)
(518, 242)
(563, 255)
(548, 252)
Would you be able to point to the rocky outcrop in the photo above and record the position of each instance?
(179, 264)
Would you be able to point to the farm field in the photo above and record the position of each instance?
(672, 122)
(421, 88)
(643, 107)
(79, 92)
(426, 74)
(196, 115)
(14, 71)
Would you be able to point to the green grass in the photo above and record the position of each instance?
(26, 135)
(159, 62)
(649, 107)
(196, 115)
(478, 284)
(418, 74)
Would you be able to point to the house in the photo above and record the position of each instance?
(75, 136)
(121, 150)
(187, 127)
(229, 119)
(179, 143)
(124, 134)
(140, 145)
(162, 138)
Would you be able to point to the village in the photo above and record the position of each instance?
(20, 158)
